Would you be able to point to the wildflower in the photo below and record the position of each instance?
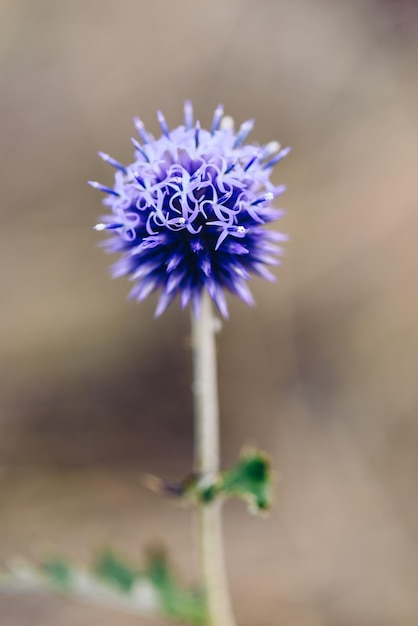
(190, 212)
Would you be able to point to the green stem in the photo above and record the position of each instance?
(207, 464)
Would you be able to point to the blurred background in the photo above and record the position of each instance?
(322, 373)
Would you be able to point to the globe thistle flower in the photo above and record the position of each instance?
(189, 213)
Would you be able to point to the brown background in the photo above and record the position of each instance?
(323, 373)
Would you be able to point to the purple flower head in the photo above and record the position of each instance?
(190, 212)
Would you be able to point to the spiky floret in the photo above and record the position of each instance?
(190, 212)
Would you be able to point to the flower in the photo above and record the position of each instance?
(189, 213)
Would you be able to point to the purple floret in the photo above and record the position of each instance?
(189, 213)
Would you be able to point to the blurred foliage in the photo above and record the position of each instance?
(59, 572)
(114, 571)
(174, 601)
(155, 587)
(250, 479)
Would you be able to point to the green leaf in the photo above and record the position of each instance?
(208, 494)
(251, 480)
(169, 597)
(58, 572)
(113, 570)
(177, 602)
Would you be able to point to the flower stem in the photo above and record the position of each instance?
(205, 391)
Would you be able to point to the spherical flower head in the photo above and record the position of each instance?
(190, 213)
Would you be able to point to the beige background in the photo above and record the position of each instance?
(323, 373)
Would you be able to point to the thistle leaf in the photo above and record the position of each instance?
(177, 603)
(58, 571)
(114, 571)
(251, 480)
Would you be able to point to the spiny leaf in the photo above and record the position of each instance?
(115, 571)
(58, 572)
(177, 603)
(169, 597)
(250, 479)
